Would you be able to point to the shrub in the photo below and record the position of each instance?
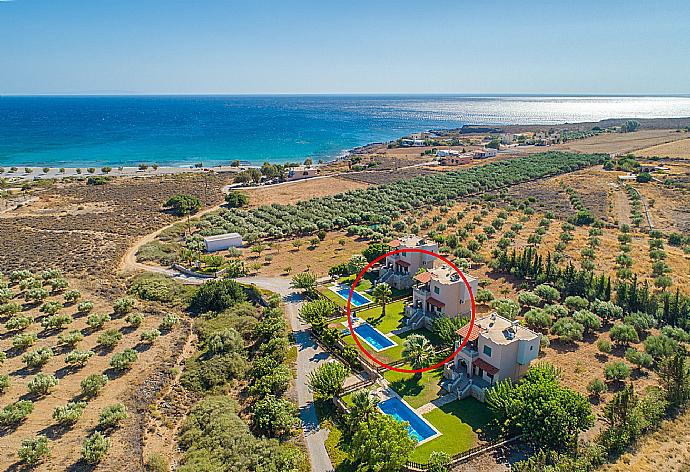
(34, 450)
(4, 383)
(24, 340)
(529, 299)
(134, 319)
(124, 360)
(149, 336)
(604, 346)
(547, 293)
(122, 306)
(484, 296)
(71, 296)
(596, 387)
(85, 307)
(660, 346)
(326, 381)
(607, 310)
(16, 412)
(640, 359)
(78, 358)
(568, 330)
(56, 321)
(623, 334)
(506, 308)
(10, 308)
(51, 308)
(556, 311)
(158, 287)
(70, 339)
(642, 322)
(616, 371)
(18, 323)
(273, 416)
(236, 199)
(168, 322)
(217, 295)
(42, 384)
(109, 338)
(94, 448)
(92, 385)
(70, 413)
(112, 415)
(38, 357)
(575, 303)
(157, 463)
(588, 320)
(96, 321)
(538, 318)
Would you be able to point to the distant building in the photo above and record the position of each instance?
(457, 159)
(447, 152)
(412, 142)
(484, 153)
(298, 173)
(221, 242)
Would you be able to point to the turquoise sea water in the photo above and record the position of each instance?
(127, 130)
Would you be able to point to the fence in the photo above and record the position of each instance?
(459, 458)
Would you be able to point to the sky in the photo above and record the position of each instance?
(353, 46)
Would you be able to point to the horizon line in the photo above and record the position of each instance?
(343, 94)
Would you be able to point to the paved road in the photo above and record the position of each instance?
(309, 356)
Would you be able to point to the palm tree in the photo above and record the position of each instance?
(363, 406)
(417, 351)
(382, 293)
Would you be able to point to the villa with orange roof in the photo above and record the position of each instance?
(496, 349)
(399, 269)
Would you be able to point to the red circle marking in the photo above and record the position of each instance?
(383, 364)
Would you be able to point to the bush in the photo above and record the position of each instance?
(588, 320)
(24, 340)
(78, 358)
(71, 296)
(10, 308)
(640, 359)
(92, 385)
(4, 383)
(94, 448)
(18, 323)
(109, 338)
(157, 463)
(236, 199)
(16, 412)
(604, 346)
(159, 288)
(529, 299)
(607, 310)
(217, 295)
(124, 360)
(660, 346)
(168, 322)
(122, 306)
(70, 413)
(70, 339)
(568, 330)
(112, 415)
(538, 318)
(56, 321)
(547, 293)
(85, 307)
(556, 311)
(326, 381)
(596, 387)
(51, 308)
(623, 334)
(642, 322)
(274, 417)
(484, 296)
(42, 384)
(149, 336)
(616, 371)
(38, 357)
(34, 450)
(96, 321)
(134, 319)
(575, 303)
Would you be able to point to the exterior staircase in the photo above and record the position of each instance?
(417, 319)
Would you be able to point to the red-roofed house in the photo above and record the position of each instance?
(496, 349)
(399, 269)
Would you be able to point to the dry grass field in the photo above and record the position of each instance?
(135, 388)
(679, 149)
(622, 143)
(300, 190)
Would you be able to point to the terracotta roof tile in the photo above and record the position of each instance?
(485, 366)
(424, 277)
(462, 332)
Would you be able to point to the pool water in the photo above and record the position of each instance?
(373, 337)
(357, 298)
(418, 428)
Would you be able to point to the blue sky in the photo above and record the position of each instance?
(354, 46)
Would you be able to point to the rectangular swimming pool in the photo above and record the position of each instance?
(373, 337)
(357, 298)
(418, 429)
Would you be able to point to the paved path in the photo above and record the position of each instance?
(309, 356)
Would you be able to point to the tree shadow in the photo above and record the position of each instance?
(66, 370)
(408, 387)
(601, 357)
(563, 346)
(142, 347)
(56, 431)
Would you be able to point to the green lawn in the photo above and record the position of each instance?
(459, 423)
(415, 389)
(367, 281)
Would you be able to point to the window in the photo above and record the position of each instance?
(531, 347)
(487, 350)
(437, 290)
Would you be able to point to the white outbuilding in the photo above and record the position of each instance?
(221, 242)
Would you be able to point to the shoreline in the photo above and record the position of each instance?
(134, 171)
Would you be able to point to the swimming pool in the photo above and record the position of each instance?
(418, 429)
(373, 337)
(357, 298)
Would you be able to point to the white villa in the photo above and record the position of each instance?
(440, 291)
(496, 349)
(298, 173)
(221, 242)
(399, 269)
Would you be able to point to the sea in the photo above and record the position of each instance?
(78, 131)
